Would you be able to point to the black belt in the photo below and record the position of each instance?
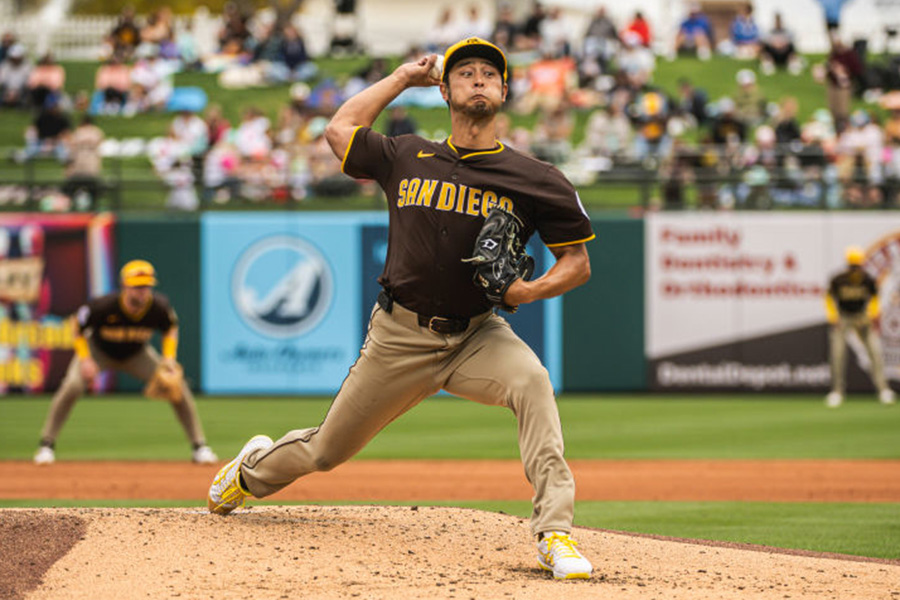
(443, 325)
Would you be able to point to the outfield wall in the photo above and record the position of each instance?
(277, 303)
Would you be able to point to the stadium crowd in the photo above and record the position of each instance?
(746, 149)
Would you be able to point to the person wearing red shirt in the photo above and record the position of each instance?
(639, 26)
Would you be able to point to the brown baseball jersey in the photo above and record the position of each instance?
(438, 196)
(119, 334)
(852, 289)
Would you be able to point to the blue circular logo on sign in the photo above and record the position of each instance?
(282, 286)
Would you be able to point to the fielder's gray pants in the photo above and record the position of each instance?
(862, 325)
(401, 364)
(140, 366)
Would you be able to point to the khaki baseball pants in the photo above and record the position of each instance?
(141, 366)
(401, 364)
(863, 327)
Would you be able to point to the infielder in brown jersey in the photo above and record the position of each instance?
(432, 329)
(851, 304)
(113, 332)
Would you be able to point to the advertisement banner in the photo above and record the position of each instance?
(49, 266)
(736, 301)
(286, 301)
(280, 302)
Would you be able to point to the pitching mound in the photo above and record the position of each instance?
(376, 552)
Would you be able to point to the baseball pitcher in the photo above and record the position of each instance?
(460, 212)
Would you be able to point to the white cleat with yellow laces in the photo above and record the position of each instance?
(226, 493)
(557, 553)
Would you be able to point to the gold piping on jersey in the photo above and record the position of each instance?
(347, 151)
(561, 244)
(134, 316)
(497, 150)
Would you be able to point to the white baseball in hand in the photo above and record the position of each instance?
(437, 69)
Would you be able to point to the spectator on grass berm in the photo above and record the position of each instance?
(640, 26)
(6, 42)
(46, 78)
(749, 101)
(125, 36)
(778, 51)
(842, 75)
(745, 34)
(531, 27)
(506, 30)
(234, 27)
(151, 80)
(159, 27)
(399, 123)
(549, 81)
(891, 103)
(635, 61)
(650, 111)
(328, 180)
(298, 64)
(217, 125)
(165, 152)
(14, 73)
(551, 141)
(85, 164)
(474, 24)
(443, 33)
(812, 167)
(48, 134)
(601, 40)
(221, 171)
(180, 179)
(692, 103)
(192, 132)
(727, 129)
(554, 33)
(372, 72)
(860, 150)
(695, 34)
(267, 52)
(188, 48)
(608, 132)
(787, 128)
(252, 135)
(832, 10)
(113, 80)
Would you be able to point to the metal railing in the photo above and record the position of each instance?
(131, 184)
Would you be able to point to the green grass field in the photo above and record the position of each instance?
(613, 426)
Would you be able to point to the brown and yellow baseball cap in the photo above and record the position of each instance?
(474, 47)
(138, 273)
(854, 255)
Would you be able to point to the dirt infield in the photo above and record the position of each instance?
(388, 553)
(420, 480)
(379, 552)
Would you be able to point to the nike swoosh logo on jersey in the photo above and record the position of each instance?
(424, 154)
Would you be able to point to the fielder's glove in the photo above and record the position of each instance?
(166, 383)
(499, 257)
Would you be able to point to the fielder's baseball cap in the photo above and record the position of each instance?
(138, 273)
(474, 47)
(855, 255)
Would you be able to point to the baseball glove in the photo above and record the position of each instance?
(166, 383)
(499, 257)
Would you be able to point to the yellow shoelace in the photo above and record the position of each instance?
(563, 545)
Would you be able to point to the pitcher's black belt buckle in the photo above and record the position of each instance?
(443, 325)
